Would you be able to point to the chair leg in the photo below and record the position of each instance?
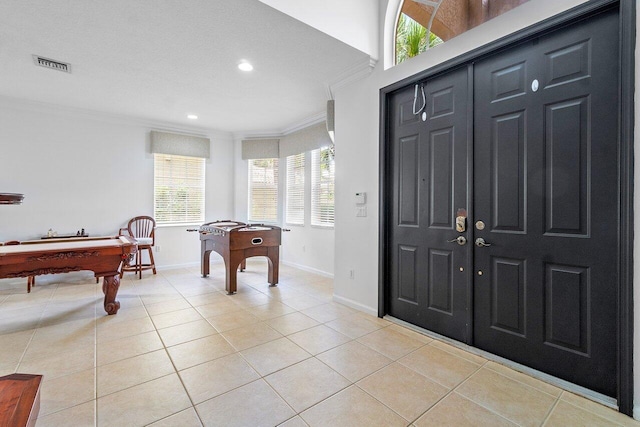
(151, 260)
(138, 264)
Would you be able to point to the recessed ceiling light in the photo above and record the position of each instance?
(245, 66)
(192, 116)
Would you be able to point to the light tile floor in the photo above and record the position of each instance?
(181, 352)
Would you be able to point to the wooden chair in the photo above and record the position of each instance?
(141, 228)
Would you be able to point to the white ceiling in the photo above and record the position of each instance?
(160, 60)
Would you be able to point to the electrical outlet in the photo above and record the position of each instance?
(361, 211)
(157, 248)
(352, 274)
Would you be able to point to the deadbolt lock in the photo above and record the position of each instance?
(461, 220)
(480, 225)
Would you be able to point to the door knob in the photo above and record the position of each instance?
(461, 240)
(481, 243)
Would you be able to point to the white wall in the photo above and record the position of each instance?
(80, 169)
(357, 167)
(353, 22)
(307, 247)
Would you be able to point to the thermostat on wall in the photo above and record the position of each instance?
(361, 198)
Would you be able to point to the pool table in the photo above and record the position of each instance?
(102, 255)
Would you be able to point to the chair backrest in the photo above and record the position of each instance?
(142, 226)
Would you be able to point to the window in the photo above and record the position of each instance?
(178, 192)
(263, 190)
(412, 39)
(424, 24)
(322, 186)
(294, 213)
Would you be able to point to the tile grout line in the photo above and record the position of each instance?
(95, 364)
(560, 399)
(550, 411)
(175, 368)
(355, 383)
(455, 389)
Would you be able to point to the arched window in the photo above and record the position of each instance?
(413, 38)
(423, 24)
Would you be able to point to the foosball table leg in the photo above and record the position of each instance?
(273, 257)
(204, 261)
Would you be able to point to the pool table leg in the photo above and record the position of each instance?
(110, 288)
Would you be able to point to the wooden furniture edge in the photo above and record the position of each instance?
(19, 399)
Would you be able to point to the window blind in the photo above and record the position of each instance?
(323, 186)
(260, 149)
(295, 190)
(178, 189)
(263, 190)
(307, 139)
(180, 145)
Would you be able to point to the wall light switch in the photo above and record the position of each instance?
(360, 198)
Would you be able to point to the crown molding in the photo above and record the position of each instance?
(305, 123)
(268, 134)
(353, 74)
(82, 113)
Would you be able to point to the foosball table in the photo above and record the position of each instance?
(236, 241)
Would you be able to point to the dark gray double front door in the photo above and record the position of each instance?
(519, 148)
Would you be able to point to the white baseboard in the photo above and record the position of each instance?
(355, 305)
(251, 260)
(309, 269)
(174, 266)
(636, 412)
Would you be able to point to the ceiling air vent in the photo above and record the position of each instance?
(50, 63)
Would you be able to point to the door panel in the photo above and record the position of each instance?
(508, 295)
(567, 159)
(508, 170)
(441, 281)
(429, 185)
(441, 180)
(567, 307)
(408, 153)
(545, 165)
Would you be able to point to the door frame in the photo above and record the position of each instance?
(627, 31)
